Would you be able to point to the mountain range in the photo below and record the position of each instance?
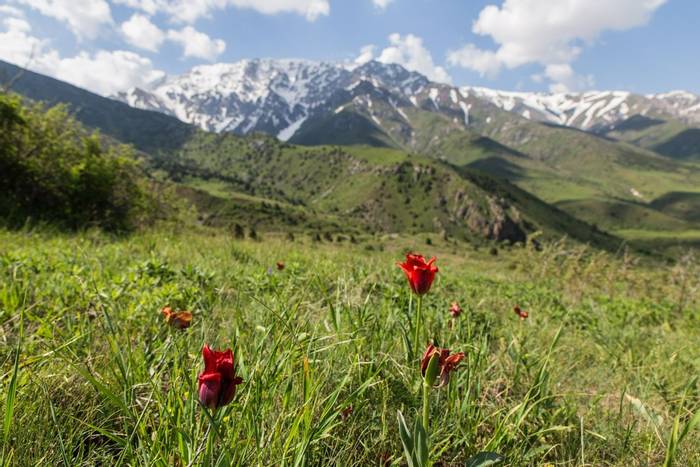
(275, 96)
(606, 158)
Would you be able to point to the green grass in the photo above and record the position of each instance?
(597, 375)
(680, 204)
(617, 215)
(673, 244)
(693, 234)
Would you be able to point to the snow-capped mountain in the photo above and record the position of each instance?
(277, 96)
(593, 110)
(273, 96)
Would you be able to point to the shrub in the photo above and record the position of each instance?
(52, 170)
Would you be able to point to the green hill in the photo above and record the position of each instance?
(670, 138)
(557, 164)
(683, 205)
(382, 189)
(349, 188)
(625, 215)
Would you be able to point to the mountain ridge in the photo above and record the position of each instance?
(377, 189)
(274, 95)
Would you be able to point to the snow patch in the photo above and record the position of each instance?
(434, 93)
(288, 132)
(465, 109)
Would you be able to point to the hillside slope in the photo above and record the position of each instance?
(554, 162)
(380, 189)
(146, 130)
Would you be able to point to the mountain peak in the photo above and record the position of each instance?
(276, 95)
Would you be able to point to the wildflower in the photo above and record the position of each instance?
(445, 364)
(520, 312)
(218, 381)
(455, 310)
(345, 413)
(420, 274)
(179, 319)
(280, 265)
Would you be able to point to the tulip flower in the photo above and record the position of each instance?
(420, 274)
(420, 277)
(455, 310)
(436, 363)
(280, 265)
(445, 364)
(178, 320)
(218, 381)
(520, 312)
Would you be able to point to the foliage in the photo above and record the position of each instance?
(51, 170)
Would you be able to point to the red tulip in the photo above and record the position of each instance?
(178, 320)
(218, 381)
(455, 310)
(447, 362)
(420, 274)
(520, 312)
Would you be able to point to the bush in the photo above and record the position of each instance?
(52, 170)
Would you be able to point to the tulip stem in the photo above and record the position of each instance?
(419, 321)
(426, 406)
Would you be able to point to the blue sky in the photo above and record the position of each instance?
(559, 45)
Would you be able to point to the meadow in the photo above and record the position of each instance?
(603, 371)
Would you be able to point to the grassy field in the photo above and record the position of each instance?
(600, 372)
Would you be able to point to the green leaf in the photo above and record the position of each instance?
(420, 444)
(433, 370)
(641, 409)
(690, 426)
(406, 439)
(484, 458)
(12, 389)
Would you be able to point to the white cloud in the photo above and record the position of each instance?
(410, 52)
(17, 45)
(8, 10)
(189, 11)
(197, 44)
(85, 18)
(484, 61)
(564, 79)
(547, 32)
(105, 72)
(366, 54)
(148, 6)
(382, 4)
(140, 32)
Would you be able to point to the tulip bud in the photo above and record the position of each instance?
(433, 370)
